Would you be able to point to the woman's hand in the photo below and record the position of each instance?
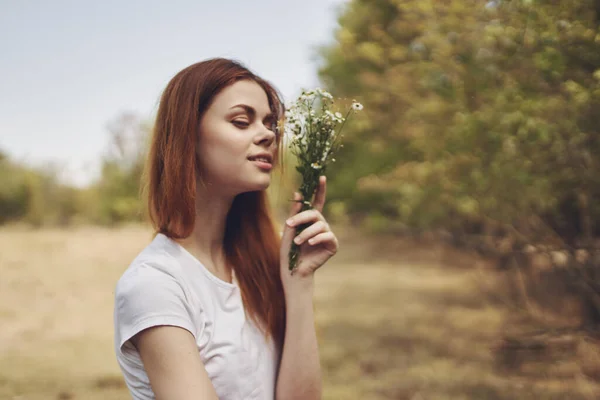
(317, 242)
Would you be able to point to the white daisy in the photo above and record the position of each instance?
(357, 106)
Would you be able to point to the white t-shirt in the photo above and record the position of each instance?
(166, 285)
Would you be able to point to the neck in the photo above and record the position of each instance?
(207, 239)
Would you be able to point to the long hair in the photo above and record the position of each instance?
(251, 240)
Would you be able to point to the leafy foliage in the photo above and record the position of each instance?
(474, 112)
(36, 195)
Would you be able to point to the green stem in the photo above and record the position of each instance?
(307, 191)
(295, 249)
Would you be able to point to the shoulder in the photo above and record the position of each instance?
(153, 291)
(152, 265)
(150, 281)
(153, 281)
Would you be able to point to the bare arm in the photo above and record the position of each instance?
(300, 371)
(173, 364)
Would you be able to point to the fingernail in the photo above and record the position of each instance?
(290, 222)
(297, 240)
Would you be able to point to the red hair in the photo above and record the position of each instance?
(251, 240)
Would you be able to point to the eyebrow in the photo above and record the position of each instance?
(251, 111)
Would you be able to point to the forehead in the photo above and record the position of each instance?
(243, 92)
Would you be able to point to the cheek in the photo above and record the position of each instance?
(223, 150)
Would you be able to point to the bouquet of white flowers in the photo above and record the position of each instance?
(314, 131)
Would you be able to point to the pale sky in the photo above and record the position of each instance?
(68, 68)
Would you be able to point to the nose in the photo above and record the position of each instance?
(265, 137)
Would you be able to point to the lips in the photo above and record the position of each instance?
(264, 161)
(263, 157)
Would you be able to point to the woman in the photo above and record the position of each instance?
(209, 309)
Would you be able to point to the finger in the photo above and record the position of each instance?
(313, 230)
(305, 217)
(321, 193)
(325, 238)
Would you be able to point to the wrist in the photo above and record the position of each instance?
(298, 286)
(299, 300)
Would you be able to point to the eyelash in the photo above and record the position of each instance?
(272, 126)
(243, 123)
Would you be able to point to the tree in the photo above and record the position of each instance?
(475, 111)
(118, 189)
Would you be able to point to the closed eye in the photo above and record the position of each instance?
(240, 124)
(269, 124)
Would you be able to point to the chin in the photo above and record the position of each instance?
(264, 186)
(258, 186)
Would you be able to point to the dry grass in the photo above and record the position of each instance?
(395, 322)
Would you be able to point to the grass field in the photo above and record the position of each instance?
(396, 320)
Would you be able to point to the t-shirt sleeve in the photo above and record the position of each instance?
(147, 297)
